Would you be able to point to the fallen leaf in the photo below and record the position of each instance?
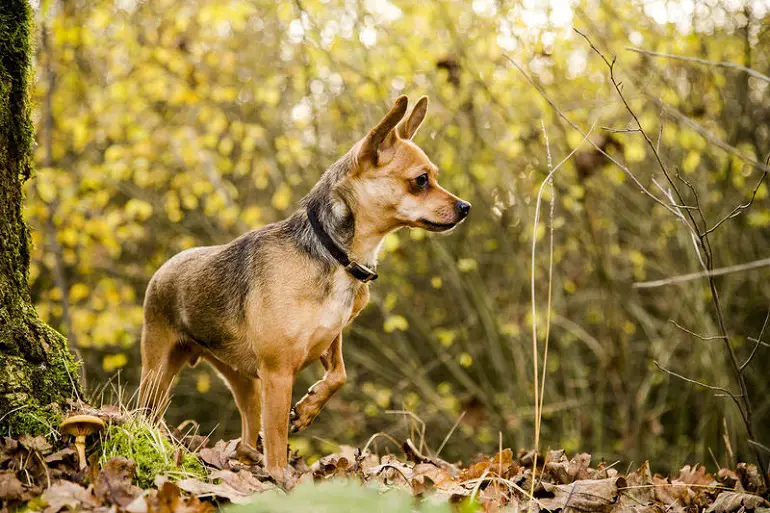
(168, 500)
(220, 455)
(584, 495)
(10, 487)
(65, 494)
(35, 443)
(114, 483)
(235, 487)
(66, 453)
(695, 475)
(730, 479)
(750, 477)
(566, 471)
(727, 502)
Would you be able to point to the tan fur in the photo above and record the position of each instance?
(288, 322)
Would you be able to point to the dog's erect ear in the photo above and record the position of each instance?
(409, 126)
(382, 135)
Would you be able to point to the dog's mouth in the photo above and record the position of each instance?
(436, 227)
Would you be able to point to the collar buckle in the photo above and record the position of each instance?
(361, 272)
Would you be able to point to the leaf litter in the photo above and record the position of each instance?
(38, 476)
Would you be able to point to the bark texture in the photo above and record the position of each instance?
(37, 372)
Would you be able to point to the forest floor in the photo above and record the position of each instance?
(188, 473)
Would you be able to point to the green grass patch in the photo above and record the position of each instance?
(145, 443)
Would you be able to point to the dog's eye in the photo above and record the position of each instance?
(421, 181)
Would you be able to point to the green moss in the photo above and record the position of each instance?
(141, 441)
(37, 371)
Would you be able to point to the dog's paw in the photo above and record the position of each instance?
(299, 418)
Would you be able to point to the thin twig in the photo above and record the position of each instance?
(709, 337)
(575, 127)
(740, 208)
(449, 435)
(756, 344)
(721, 390)
(756, 264)
(731, 65)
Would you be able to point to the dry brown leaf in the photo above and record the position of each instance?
(695, 475)
(728, 502)
(220, 455)
(730, 479)
(427, 476)
(235, 487)
(35, 443)
(168, 500)
(638, 491)
(585, 495)
(672, 494)
(10, 487)
(566, 471)
(65, 454)
(750, 477)
(113, 484)
(65, 494)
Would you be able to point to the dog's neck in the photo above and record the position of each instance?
(352, 227)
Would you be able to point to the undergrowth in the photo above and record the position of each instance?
(140, 440)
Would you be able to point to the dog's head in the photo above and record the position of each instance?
(395, 180)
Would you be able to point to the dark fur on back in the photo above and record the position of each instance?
(331, 201)
(236, 268)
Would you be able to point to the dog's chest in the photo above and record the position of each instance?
(338, 304)
(335, 311)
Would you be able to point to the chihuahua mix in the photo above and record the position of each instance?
(274, 300)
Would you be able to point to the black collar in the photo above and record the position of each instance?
(356, 270)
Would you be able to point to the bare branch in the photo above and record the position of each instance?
(709, 337)
(696, 127)
(758, 342)
(740, 208)
(718, 64)
(620, 130)
(756, 264)
(582, 132)
(724, 391)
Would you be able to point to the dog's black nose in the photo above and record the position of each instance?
(463, 208)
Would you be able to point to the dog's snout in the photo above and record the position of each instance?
(463, 208)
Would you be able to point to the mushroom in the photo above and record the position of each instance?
(80, 426)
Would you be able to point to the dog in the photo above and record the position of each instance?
(262, 307)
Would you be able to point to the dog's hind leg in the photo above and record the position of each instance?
(247, 393)
(308, 407)
(162, 359)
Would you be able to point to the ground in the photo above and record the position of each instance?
(188, 473)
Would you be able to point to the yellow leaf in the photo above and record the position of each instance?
(282, 197)
(78, 291)
(112, 362)
(395, 322)
(467, 264)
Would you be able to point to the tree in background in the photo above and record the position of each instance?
(37, 372)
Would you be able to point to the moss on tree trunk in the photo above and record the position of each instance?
(37, 372)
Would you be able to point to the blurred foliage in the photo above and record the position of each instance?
(170, 124)
(341, 495)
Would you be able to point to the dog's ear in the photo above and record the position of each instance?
(409, 126)
(383, 135)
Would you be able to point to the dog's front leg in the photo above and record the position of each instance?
(276, 403)
(308, 407)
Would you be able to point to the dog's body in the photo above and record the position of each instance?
(264, 306)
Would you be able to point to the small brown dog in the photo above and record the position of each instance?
(274, 300)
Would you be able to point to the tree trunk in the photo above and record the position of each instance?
(38, 374)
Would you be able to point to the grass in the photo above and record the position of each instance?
(155, 454)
